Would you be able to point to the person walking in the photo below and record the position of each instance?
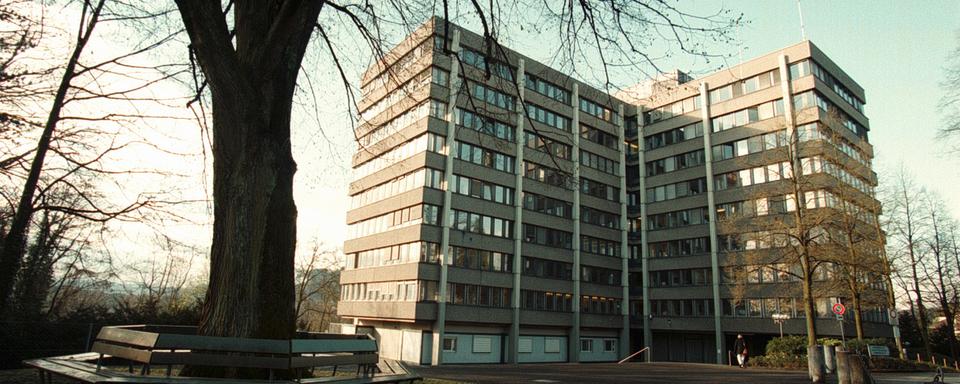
(740, 347)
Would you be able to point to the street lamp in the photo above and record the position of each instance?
(779, 318)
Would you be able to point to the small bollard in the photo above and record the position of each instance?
(843, 367)
(829, 358)
(859, 374)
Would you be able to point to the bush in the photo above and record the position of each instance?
(893, 364)
(787, 346)
(860, 346)
(779, 361)
(828, 342)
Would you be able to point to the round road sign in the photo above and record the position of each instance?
(839, 309)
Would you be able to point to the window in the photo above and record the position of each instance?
(550, 118)
(548, 146)
(609, 345)
(485, 125)
(482, 344)
(551, 345)
(586, 345)
(525, 345)
(449, 343)
(547, 89)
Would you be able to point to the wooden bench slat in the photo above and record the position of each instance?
(219, 360)
(318, 361)
(58, 368)
(125, 335)
(123, 352)
(231, 344)
(333, 345)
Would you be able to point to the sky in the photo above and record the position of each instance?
(896, 50)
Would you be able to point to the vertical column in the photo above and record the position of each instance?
(574, 343)
(789, 118)
(513, 355)
(624, 348)
(644, 247)
(712, 212)
(439, 327)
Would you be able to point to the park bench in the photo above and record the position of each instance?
(140, 348)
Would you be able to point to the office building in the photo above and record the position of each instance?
(503, 211)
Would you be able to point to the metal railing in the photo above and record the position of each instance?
(633, 355)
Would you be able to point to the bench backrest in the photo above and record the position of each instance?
(176, 346)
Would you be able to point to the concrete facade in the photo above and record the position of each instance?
(503, 211)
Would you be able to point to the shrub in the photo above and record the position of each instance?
(787, 346)
(893, 364)
(779, 361)
(828, 342)
(860, 346)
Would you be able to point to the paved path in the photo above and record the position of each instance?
(639, 373)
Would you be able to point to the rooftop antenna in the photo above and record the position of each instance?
(803, 32)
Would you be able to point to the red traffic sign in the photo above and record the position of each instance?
(839, 309)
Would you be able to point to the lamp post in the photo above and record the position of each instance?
(779, 318)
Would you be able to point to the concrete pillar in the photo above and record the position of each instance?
(514, 337)
(624, 343)
(450, 117)
(574, 343)
(644, 248)
(712, 212)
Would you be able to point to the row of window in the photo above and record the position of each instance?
(426, 142)
(599, 111)
(403, 92)
(756, 175)
(423, 177)
(599, 275)
(481, 189)
(417, 214)
(485, 157)
(600, 137)
(388, 76)
(545, 175)
(682, 307)
(546, 301)
(815, 131)
(547, 117)
(491, 96)
(676, 108)
(482, 224)
(673, 163)
(599, 163)
(677, 219)
(600, 190)
(415, 252)
(766, 307)
(749, 115)
(480, 61)
(547, 236)
(549, 269)
(677, 190)
(806, 67)
(547, 89)
(817, 164)
(547, 205)
(406, 290)
(681, 277)
(401, 121)
(547, 145)
(763, 240)
(601, 247)
(481, 259)
(680, 247)
(597, 217)
(599, 305)
(762, 81)
(674, 136)
(485, 125)
(750, 145)
(480, 295)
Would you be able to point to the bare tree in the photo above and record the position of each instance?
(938, 271)
(71, 145)
(950, 103)
(906, 231)
(318, 289)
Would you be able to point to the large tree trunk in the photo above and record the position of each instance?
(857, 311)
(251, 292)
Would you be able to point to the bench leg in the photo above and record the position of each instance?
(169, 368)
